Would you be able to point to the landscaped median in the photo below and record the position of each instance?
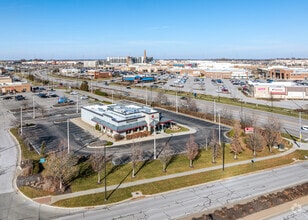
(119, 194)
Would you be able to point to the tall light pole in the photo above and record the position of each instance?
(154, 125)
(300, 127)
(214, 110)
(176, 102)
(146, 95)
(21, 120)
(68, 136)
(219, 129)
(112, 95)
(77, 103)
(105, 179)
(33, 106)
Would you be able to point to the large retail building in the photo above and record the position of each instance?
(124, 119)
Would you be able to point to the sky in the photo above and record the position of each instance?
(167, 29)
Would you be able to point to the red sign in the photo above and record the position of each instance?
(249, 130)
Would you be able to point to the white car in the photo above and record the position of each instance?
(74, 93)
(305, 128)
(84, 97)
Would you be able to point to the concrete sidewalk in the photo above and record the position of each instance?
(53, 199)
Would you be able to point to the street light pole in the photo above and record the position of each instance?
(33, 106)
(300, 128)
(105, 179)
(214, 110)
(77, 103)
(21, 120)
(68, 136)
(146, 96)
(176, 102)
(154, 151)
(219, 129)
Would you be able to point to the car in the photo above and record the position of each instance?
(7, 97)
(304, 128)
(42, 95)
(84, 97)
(74, 93)
(53, 95)
(19, 97)
(128, 87)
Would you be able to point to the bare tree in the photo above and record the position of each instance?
(166, 156)
(226, 114)
(136, 156)
(246, 121)
(271, 132)
(97, 160)
(236, 144)
(191, 149)
(191, 104)
(255, 141)
(215, 146)
(62, 167)
(161, 98)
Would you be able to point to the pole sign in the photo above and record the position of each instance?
(249, 130)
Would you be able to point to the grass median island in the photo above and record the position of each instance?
(179, 182)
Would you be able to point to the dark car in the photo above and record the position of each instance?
(19, 97)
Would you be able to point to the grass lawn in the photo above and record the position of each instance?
(153, 168)
(180, 182)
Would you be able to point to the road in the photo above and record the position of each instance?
(199, 199)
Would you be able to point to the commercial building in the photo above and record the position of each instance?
(7, 85)
(279, 90)
(124, 119)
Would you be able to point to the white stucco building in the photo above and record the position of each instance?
(124, 119)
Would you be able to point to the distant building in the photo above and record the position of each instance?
(6, 86)
(90, 63)
(124, 119)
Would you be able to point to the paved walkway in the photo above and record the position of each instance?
(52, 199)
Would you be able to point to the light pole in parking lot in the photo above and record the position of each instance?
(77, 103)
(176, 102)
(68, 136)
(300, 127)
(20, 120)
(154, 125)
(33, 106)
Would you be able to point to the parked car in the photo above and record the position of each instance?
(19, 97)
(74, 93)
(84, 97)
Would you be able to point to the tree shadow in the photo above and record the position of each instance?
(118, 186)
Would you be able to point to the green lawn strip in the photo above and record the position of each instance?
(179, 182)
(153, 168)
